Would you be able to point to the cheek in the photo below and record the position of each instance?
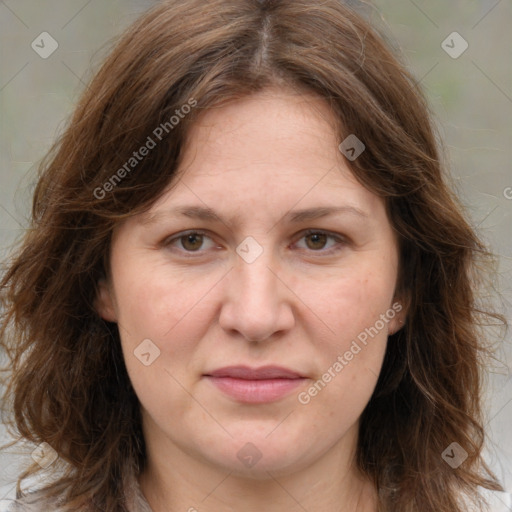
(350, 304)
(158, 306)
(357, 310)
(352, 351)
(171, 310)
(155, 302)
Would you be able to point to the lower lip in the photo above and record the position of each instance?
(255, 391)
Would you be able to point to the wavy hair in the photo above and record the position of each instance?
(67, 383)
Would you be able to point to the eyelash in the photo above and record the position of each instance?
(341, 241)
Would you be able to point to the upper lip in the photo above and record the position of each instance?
(248, 373)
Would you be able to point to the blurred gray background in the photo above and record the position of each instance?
(470, 91)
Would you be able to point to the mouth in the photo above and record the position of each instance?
(255, 385)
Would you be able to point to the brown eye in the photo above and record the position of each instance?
(318, 240)
(322, 242)
(192, 241)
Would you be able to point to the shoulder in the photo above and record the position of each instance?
(33, 501)
(37, 502)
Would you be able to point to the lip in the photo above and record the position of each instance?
(255, 385)
(248, 373)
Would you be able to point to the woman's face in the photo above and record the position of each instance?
(253, 288)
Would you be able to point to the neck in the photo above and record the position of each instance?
(180, 482)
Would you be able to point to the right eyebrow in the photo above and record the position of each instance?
(294, 216)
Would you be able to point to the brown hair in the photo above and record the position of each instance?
(69, 386)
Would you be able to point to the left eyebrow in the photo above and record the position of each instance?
(293, 216)
(296, 216)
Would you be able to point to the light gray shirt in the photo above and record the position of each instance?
(33, 501)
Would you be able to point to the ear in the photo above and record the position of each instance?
(104, 302)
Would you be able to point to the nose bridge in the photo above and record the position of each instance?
(253, 265)
(258, 284)
(256, 303)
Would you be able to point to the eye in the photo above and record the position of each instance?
(316, 241)
(192, 243)
(189, 242)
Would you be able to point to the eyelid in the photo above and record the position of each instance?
(340, 239)
(173, 238)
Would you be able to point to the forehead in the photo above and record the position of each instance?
(272, 150)
(273, 135)
(268, 124)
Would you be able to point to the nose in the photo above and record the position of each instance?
(257, 304)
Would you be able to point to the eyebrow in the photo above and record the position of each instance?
(293, 216)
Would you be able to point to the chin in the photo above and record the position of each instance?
(255, 460)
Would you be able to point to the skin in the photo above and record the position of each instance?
(252, 161)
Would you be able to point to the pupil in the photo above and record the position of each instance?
(316, 237)
(191, 238)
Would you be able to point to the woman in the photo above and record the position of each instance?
(247, 285)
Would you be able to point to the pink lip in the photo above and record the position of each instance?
(255, 385)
